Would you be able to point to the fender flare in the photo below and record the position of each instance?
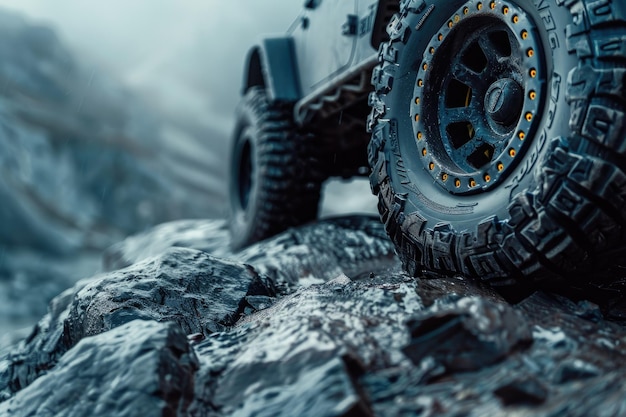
(272, 65)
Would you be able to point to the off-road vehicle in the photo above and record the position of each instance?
(495, 129)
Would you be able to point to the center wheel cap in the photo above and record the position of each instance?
(503, 101)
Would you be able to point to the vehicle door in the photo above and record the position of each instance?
(324, 40)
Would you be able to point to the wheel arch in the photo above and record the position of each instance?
(253, 71)
(272, 65)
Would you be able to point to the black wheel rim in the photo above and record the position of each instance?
(245, 173)
(477, 96)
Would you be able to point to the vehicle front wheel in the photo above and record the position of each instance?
(498, 137)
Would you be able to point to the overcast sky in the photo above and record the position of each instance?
(187, 55)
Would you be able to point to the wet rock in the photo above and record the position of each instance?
(198, 292)
(305, 354)
(206, 235)
(469, 334)
(40, 350)
(588, 310)
(186, 286)
(442, 289)
(352, 245)
(295, 340)
(310, 254)
(526, 381)
(140, 368)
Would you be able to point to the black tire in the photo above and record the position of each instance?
(532, 187)
(274, 182)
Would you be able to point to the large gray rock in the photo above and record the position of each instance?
(310, 254)
(568, 366)
(141, 368)
(378, 343)
(303, 356)
(210, 236)
(199, 293)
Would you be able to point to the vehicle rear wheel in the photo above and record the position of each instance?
(274, 180)
(498, 137)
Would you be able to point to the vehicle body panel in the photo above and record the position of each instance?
(331, 38)
(324, 61)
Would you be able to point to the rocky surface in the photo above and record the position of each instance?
(147, 367)
(297, 257)
(318, 321)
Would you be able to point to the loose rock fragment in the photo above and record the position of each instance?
(140, 368)
(469, 334)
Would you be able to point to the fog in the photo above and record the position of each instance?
(186, 56)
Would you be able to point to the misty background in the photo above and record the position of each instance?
(116, 116)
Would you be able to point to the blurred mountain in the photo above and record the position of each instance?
(84, 162)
